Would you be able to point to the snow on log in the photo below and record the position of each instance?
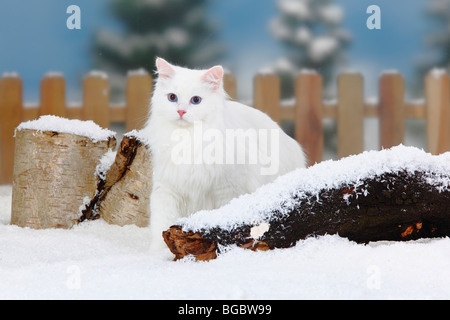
(398, 194)
(54, 164)
(123, 189)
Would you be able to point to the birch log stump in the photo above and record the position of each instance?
(53, 173)
(123, 192)
(397, 195)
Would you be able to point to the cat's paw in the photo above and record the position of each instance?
(157, 242)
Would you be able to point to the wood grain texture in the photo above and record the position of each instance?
(437, 90)
(53, 173)
(266, 93)
(391, 110)
(128, 200)
(138, 93)
(53, 96)
(96, 100)
(122, 196)
(11, 115)
(308, 115)
(350, 117)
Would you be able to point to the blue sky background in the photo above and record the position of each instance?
(34, 39)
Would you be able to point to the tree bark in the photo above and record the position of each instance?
(123, 195)
(391, 206)
(53, 173)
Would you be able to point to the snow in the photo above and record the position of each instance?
(105, 163)
(307, 71)
(137, 72)
(322, 47)
(303, 35)
(389, 72)
(332, 14)
(54, 74)
(95, 260)
(373, 100)
(282, 64)
(140, 135)
(159, 41)
(87, 129)
(177, 37)
(279, 29)
(311, 29)
(97, 73)
(438, 72)
(10, 74)
(297, 8)
(257, 207)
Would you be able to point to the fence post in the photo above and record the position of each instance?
(96, 99)
(308, 115)
(437, 91)
(11, 112)
(266, 94)
(53, 95)
(138, 95)
(229, 84)
(391, 109)
(350, 114)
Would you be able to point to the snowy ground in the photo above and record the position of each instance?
(99, 261)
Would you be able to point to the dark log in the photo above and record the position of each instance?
(396, 206)
(188, 243)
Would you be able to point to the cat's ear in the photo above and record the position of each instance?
(214, 77)
(165, 69)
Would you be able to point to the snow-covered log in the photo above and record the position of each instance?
(398, 194)
(123, 188)
(54, 165)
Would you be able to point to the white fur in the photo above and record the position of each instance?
(180, 189)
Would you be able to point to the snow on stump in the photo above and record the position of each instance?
(54, 165)
(124, 185)
(398, 194)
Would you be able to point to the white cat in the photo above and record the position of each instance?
(207, 149)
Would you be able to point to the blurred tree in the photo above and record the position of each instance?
(177, 30)
(438, 40)
(313, 37)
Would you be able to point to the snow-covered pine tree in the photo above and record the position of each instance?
(177, 30)
(438, 40)
(312, 34)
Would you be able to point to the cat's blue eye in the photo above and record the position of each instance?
(172, 97)
(196, 100)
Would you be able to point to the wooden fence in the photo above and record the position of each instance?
(307, 111)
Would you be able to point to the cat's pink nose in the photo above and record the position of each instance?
(181, 113)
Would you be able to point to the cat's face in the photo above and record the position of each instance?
(185, 96)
